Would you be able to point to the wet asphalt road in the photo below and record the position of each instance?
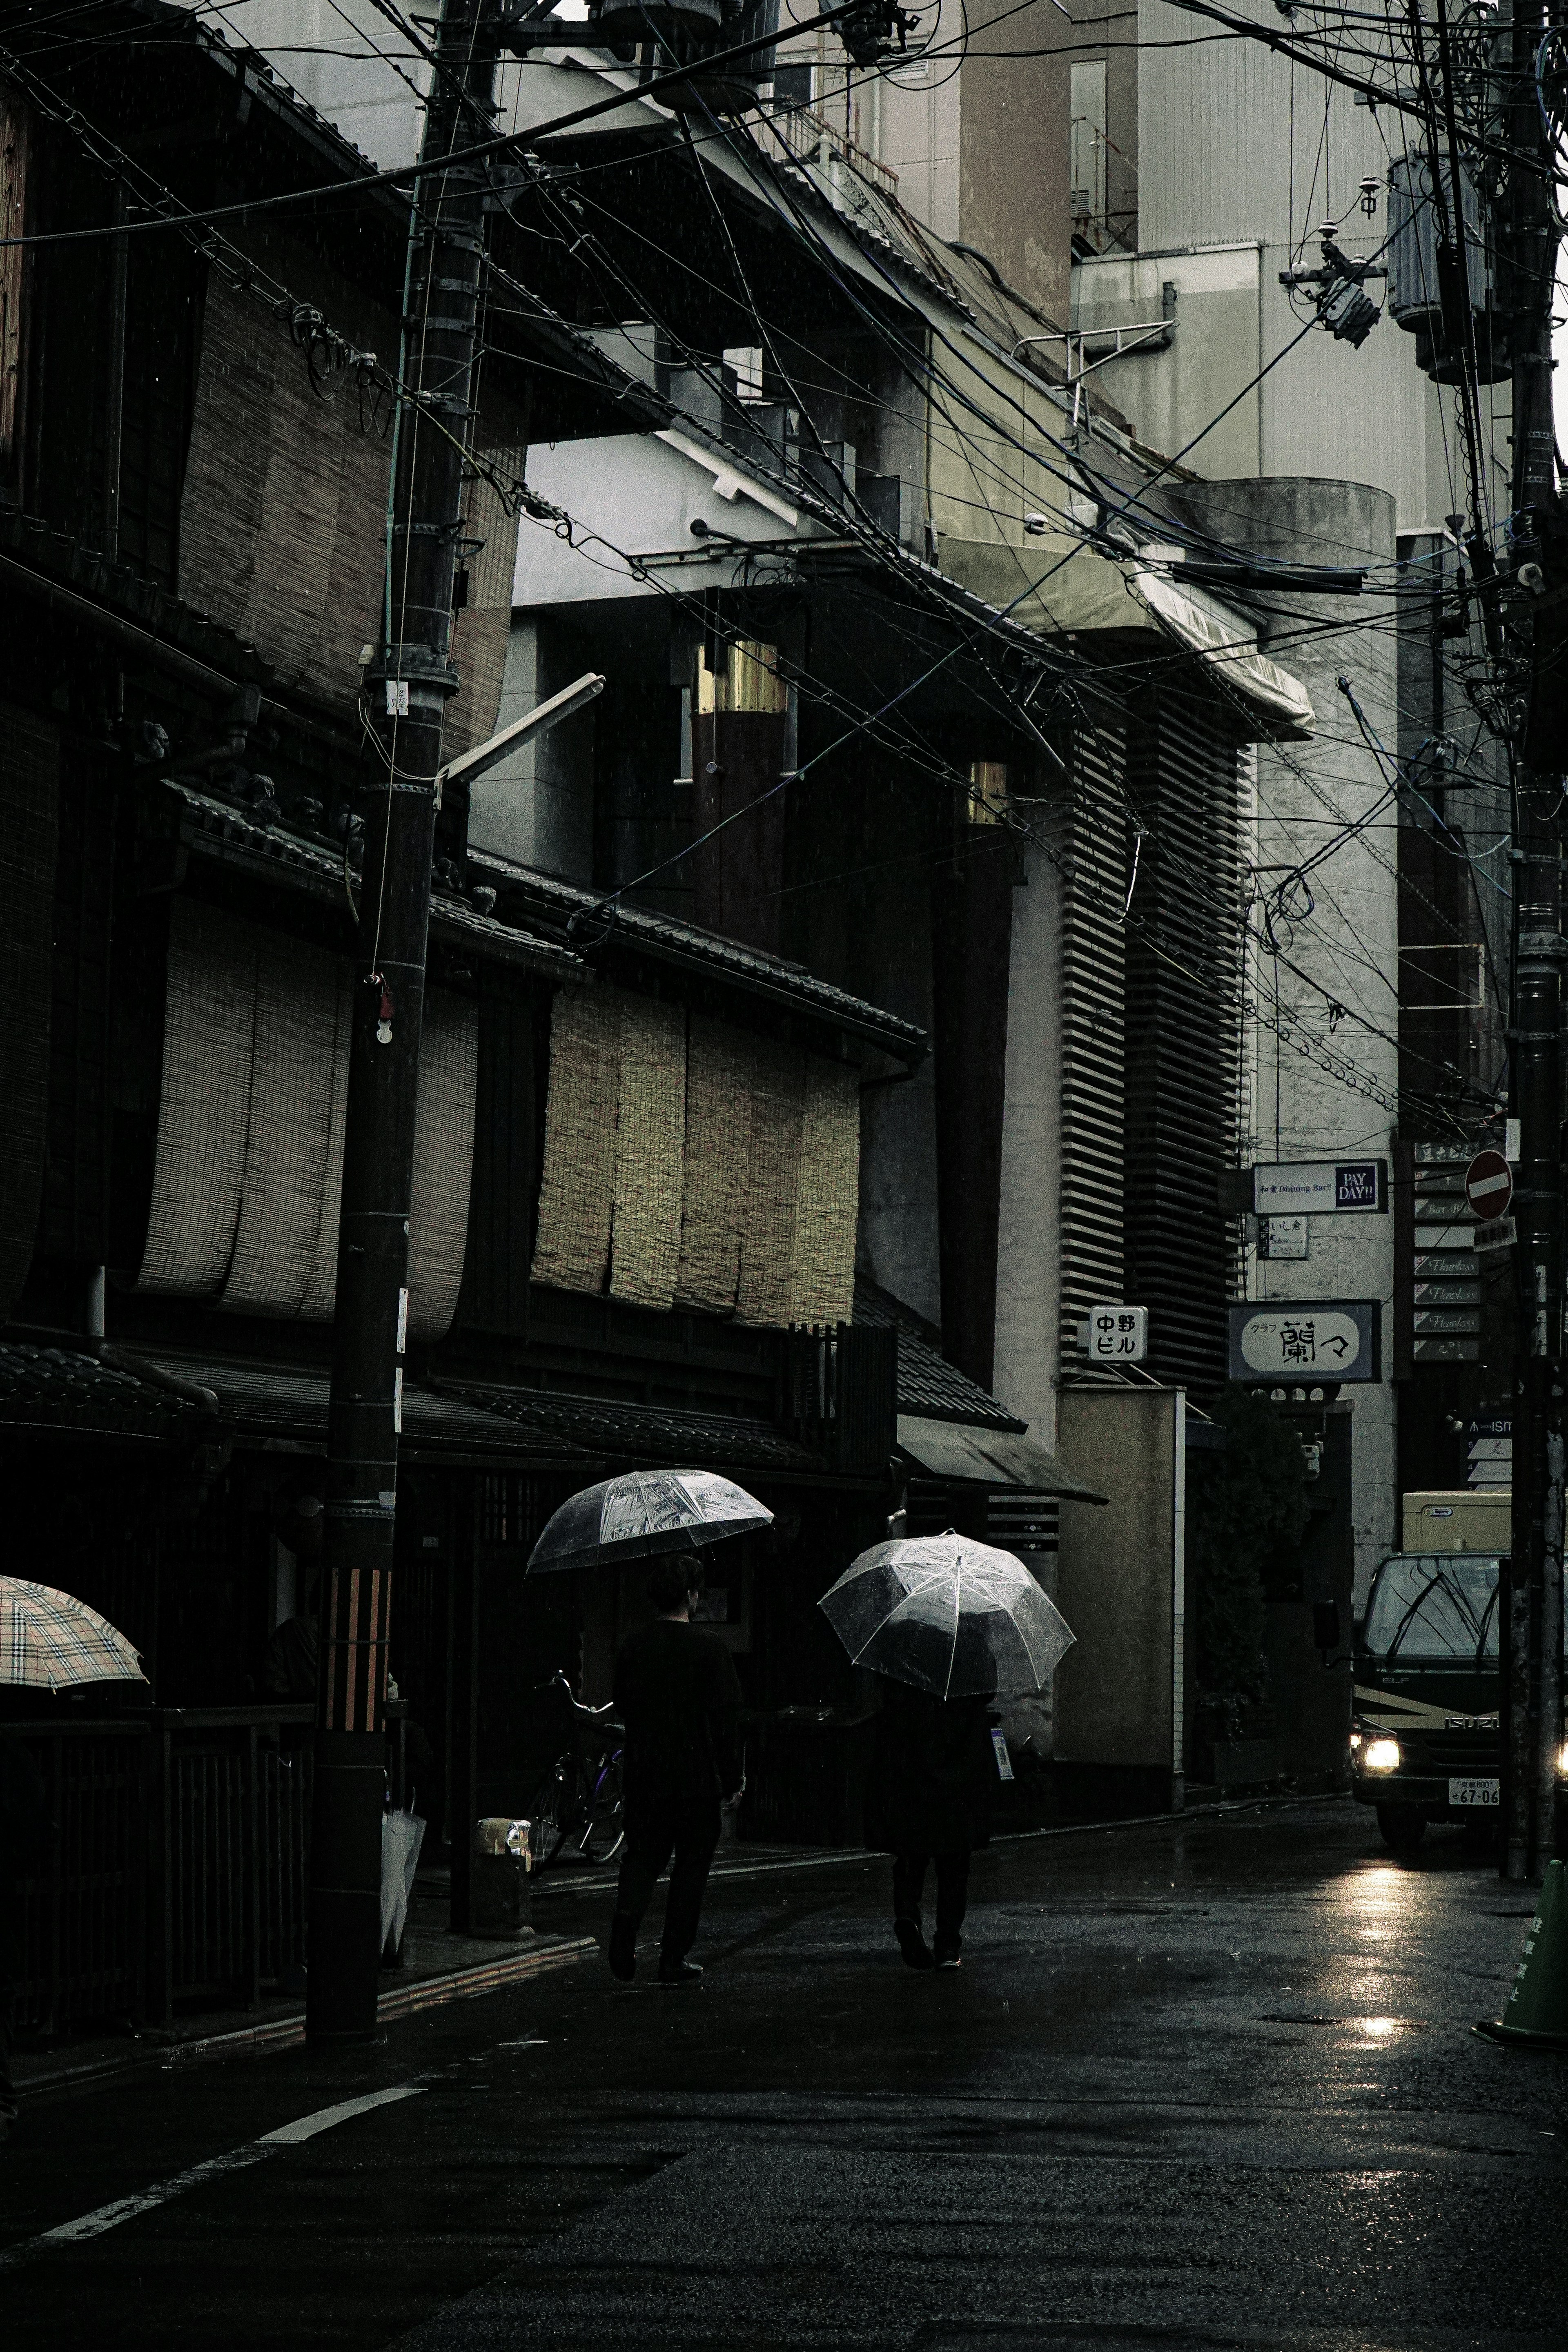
(1210, 2084)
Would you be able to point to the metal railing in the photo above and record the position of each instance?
(807, 137)
(179, 1866)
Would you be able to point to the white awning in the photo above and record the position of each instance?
(1225, 645)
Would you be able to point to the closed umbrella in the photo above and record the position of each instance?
(644, 1512)
(49, 1641)
(948, 1615)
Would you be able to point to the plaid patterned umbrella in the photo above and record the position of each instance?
(49, 1641)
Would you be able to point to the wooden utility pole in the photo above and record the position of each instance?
(1530, 1604)
(410, 683)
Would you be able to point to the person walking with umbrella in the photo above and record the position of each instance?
(947, 1623)
(49, 1641)
(933, 1778)
(676, 1691)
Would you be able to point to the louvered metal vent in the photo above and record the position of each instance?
(1094, 849)
(1184, 1038)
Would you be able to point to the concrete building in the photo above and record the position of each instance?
(1201, 170)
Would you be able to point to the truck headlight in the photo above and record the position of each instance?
(1562, 1761)
(1381, 1756)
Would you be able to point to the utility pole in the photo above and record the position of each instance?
(1531, 1603)
(411, 681)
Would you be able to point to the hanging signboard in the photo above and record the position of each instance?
(1319, 1187)
(1118, 1335)
(1306, 1341)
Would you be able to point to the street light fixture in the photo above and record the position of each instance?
(485, 756)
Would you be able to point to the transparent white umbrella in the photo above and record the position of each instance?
(949, 1615)
(645, 1512)
(50, 1641)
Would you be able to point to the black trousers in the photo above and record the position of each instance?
(952, 1895)
(687, 1827)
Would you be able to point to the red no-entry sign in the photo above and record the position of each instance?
(1489, 1185)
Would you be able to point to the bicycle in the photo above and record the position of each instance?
(581, 1797)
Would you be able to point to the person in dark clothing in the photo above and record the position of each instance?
(678, 1694)
(932, 1779)
(26, 1836)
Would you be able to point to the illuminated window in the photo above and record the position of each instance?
(986, 801)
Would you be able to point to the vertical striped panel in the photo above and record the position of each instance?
(204, 1109)
(1093, 1023)
(1184, 981)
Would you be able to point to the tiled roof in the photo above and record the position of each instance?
(650, 1433)
(267, 1400)
(69, 1388)
(928, 1384)
(239, 837)
(504, 1423)
(547, 900)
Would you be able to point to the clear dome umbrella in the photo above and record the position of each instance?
(642, 1513)
(948, 1615)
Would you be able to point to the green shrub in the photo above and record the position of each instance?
(1244, 1507)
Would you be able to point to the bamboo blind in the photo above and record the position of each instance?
(651, 1146)
(822, 1287)
(443, 1161)
(762, 1292)
(285, 1174)
(204, 1109)
(320, 1291)
(696, 1168)
(576, 1192)
(249, 1171)
(717, 1152)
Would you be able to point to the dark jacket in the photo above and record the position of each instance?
(934, 1773)
(678, 1694)
(26, 1842)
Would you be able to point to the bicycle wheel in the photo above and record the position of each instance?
(555, 1810)
(606, 1826)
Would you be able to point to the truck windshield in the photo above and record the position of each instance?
(1435, 1605)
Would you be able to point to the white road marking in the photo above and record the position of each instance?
(196, 2176)
(291, 2134)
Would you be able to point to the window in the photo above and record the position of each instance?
(1435, 1605)
(792, 87)
(987, 797)
(1087, 161)
(745, 362)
